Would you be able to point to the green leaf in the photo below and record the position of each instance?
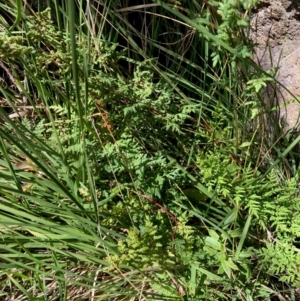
(213, 243)
(193, 282)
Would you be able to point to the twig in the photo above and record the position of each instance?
(164, 210)
(10, 76)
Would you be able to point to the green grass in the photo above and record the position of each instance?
(142, 171)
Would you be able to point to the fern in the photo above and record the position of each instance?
(281, 259)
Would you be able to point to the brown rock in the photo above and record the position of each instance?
(275, 29)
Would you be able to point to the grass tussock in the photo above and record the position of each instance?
(136, 158)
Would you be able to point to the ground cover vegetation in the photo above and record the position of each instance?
(137, 162)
